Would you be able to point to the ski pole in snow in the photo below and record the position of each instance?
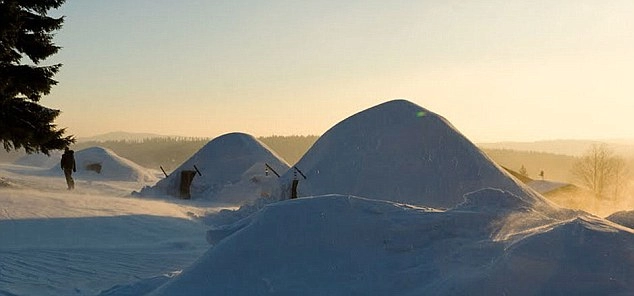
(164, 173)
(272, 170)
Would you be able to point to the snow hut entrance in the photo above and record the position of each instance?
(294, 189)
(95, 167)
(186, 181)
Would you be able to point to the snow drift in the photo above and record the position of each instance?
(345, 245)
(59, 242)
(400, 152)
(98, 163)
(233, 170)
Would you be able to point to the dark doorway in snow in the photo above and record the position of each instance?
(186, 181)
(294, 189)
(95, 167)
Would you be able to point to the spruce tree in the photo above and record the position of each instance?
(26, 31)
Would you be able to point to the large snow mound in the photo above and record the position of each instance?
(98, 163)
(232, 170)
(401, 152)
(345, 245)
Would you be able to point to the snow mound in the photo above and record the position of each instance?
(345, 245)
(582, 256)
(232, 170)
(492, 200)
(98, 163)
(625, 218)
(544, 186)
(401, 152)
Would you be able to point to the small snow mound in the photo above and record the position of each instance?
(492, 200)
(544, 186)
(582, 256)
(625, 218)
(98, 163)
(233, 169)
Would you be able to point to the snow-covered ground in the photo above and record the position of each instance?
(493, 244)
(392, 201)
(59, 242)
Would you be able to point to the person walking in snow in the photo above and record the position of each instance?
(68, 166)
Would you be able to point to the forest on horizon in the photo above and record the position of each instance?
(170, 152)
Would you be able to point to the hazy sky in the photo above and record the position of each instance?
(498, 70)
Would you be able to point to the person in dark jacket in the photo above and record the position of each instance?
(68, 166)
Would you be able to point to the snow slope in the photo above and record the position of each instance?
(112, 167)
(56, 242)
(401, 152)
(544, 186)
(232, 168)
(493, 244)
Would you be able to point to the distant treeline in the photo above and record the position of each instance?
(170, 152)
(290, 148)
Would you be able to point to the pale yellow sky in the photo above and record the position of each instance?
(498, 70)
